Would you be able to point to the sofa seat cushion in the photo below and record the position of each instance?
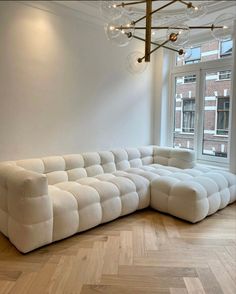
(83, 204)
(165, 167)
(142, 187)
(65, 213)
(193, 197)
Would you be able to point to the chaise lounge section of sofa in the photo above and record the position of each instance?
(49, 199)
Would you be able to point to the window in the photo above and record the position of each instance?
(195, 55)
(202, 111)
(190, 79)
(200, 104)
(225, 75)
(222, 115)
(188, 115)
(226, 48)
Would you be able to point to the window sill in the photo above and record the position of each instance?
(213, 164)
(185, 133)
(222, 80)
(225, 136)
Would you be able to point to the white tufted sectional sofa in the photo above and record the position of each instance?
(48, 199)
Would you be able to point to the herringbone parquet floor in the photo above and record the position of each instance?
(146, 252)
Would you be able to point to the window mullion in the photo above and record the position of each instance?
(198, 134)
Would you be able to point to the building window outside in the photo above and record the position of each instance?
(223, 104)
(224, 75)
(211, 50)
(189, 79)
(195, 55)
(201, 102)
(188, 115)
(226, 48)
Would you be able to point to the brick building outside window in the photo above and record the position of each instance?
(216, 101)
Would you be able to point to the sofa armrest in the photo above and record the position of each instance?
(181, 158)
(24, 200)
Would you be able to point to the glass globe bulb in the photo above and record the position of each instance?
(187, 53)
(178, 35)
(110, 10)
(196, 12)
(133, 65)
(225, 21)
(120, 31)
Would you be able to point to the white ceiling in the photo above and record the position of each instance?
(167, 16)
(176, 8)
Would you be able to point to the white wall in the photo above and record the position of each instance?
(64, 88)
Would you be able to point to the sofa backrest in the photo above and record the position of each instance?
(75, 166)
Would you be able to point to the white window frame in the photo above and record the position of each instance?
(200, 69)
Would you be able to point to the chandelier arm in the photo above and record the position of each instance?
(148, 32)
(123, 4)
(153, 50)
(130, 3)
(154, 11)
(166, 28)
(154, 43)
(188, 4)
(212, 27)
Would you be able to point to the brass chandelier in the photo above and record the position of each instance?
(120, 28)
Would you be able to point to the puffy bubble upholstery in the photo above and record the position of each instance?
(48, 199)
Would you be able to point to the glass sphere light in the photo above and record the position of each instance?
(120, 31)
(110, 10)
(195, 12)
(185, 54)
(133, 65)
(223, 27)
(178, 35)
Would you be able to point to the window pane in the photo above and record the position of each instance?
(189, 79)
(195, 55)
(216, 115)
(207, 51)
(185, 94)
(226, 48)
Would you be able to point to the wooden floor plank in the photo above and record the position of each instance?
(138, 241)
(209, 281)
(23, 284)
(111, 289)
(42, 279)
(95, 263)
(126, 248)
(227, 284)
(194, 286)
(178, 291)
(5, 286)
(112, 254)
(157, 271)
(143, 281)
